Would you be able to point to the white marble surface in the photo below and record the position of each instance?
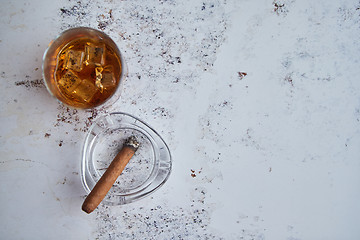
(273, 154)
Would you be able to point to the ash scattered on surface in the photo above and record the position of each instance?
(29, 84)
(80, 120)
(157, 221)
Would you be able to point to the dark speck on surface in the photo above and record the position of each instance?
(65, 11)
(241, 75)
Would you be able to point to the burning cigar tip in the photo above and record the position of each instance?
(132, 142)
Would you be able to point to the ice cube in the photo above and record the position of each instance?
(95, 54)
(74, 60)
(85, 91)
(108, 79)
(69, 81)
(98, 73)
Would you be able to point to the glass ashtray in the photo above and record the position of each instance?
(146, 171)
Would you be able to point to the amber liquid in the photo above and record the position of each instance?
(87, 72)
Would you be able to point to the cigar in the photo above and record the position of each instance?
(106, 181)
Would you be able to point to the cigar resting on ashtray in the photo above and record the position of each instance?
(106, 181)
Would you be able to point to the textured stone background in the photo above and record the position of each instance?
(259, 102)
